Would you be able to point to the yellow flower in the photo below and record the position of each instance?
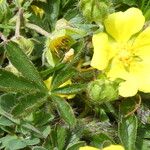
(122, 54)
(48, 85)
(37, 10)
(88, 148)
(111, 147)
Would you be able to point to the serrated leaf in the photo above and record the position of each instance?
(45, 130)
(5, 122)
(33, 141)
(31, 128)
(10, 82)
(98, 140)
(62, 76)
(7, 101)
(76, 146)
(12, 142)
(42, 117)
(22, 63)
(64, 110)
(62, 135)
(70, 89)
(28, 103)
(54, 8)
(143, 137)
(128, 132)
(48, 72)
(39, 148)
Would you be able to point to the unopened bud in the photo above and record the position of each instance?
(102, 91)
(95, 10)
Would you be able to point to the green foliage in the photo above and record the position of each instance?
(23, 64)
(64, 110)
(51, 45)
(13, 83)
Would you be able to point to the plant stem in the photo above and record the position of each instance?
(18, 22)
(38, 29)
(3, 37)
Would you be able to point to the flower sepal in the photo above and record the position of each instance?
(102, 90)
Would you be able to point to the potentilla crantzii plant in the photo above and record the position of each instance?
(123, 51)
(53, 96)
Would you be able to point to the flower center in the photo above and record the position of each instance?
(126, 55)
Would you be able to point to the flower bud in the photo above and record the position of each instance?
(95, 10)
(102, 91)
(25, 44)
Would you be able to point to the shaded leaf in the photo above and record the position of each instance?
(128, 132)
(22, 63)
(64, 110)
(11, 82)
(70, 89)
(28, 103)
(76, 146)
(62, 76)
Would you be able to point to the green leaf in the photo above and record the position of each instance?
(68, 71)
(128, 131)
(22, 63)
(38, 148)
(45, 130)
(52, 10)
(33, 141)
(70, 89)
(41, 117)
(48, 72)
(12, 142)
(143, 137)
(9, 116)
(31, 128)
(10, 82)
(62, 76)
(128, 2)
(5, 122)
(76, 146)
(64, 110)
(28, 104)
(16, 143)
(61, 137)
(99, 140)
(8, 101)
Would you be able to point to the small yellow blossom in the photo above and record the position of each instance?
(37, 10)
(122, 54)
(111, 147)
(88, 148)
(68, 82)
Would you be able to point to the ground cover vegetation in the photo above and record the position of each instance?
(74, 74)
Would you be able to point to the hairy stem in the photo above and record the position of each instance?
(18, 23)
(38, 29)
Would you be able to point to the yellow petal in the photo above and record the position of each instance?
(100, 57)
(144, 86)
(88, 148)
(37, 10)
(142, 40)
(117, 70)
(48, 82)
(114, 147)
(128, 88)
(68, 82)
(141, 72)
(122, 25)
